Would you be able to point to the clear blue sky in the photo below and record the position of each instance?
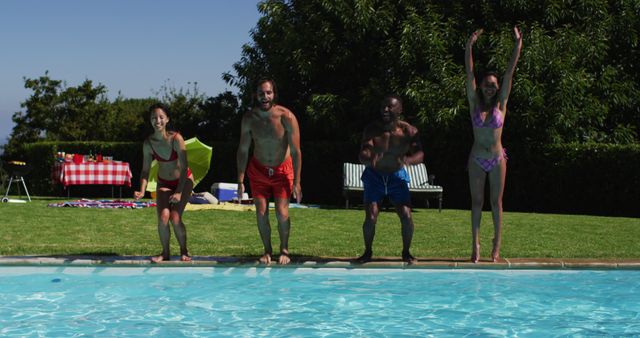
(131, 46)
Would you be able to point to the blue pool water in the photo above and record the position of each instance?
(250, 302)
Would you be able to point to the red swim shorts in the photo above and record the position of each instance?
(268, 181)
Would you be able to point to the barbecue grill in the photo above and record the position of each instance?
(17, 171)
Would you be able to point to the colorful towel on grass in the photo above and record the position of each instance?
(297, 206)
(103, 204)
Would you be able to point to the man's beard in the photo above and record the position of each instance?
(389, 121)
(265, 105)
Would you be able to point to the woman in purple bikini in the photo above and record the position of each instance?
(488, 108)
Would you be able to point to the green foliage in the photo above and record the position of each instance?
(597, 179)
(577, 80)
(184, 105)
(130, 120)
(221, 118)
(3, 180)
(58, 113)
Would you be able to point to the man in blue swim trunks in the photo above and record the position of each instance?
(388, 145)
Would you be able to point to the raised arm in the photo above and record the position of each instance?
(242, 156)
(507, 79)
(468, 66)
(290, 123)
(144, 173)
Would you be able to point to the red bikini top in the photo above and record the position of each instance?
(172, 157)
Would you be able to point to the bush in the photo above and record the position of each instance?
(601, 179)
(597, 179)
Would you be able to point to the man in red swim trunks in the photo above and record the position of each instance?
(274, 169)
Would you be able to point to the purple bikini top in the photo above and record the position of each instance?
(495, 122)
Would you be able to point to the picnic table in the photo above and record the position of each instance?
(114, 173)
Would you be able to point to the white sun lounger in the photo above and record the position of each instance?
(421, 183)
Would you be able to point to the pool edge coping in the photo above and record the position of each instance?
(324, 262)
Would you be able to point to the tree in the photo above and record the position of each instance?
(221, 119)
(130, 119)
(577, 80)
(57, 112)
(184, 107)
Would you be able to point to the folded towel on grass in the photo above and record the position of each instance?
(240, 207)
(221, 206)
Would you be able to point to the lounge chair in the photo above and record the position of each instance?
(421, 182)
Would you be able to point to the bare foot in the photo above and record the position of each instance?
(475, 253)
(495, 253)
(265, 259)
(160, 258)
(365, 258)
(185, 258)
(408, 258)
(284, 258)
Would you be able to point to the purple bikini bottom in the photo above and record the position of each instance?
(487, 164)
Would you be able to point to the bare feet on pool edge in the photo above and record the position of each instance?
(495, 253)
(185, 258)
(408, 258)
(495, 256)
(284, 258)
(160, 258)
(265, 259)
(365, 258)
(475, 254)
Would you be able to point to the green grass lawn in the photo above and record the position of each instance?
(35, 229)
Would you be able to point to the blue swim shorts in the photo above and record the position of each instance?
(378, 185)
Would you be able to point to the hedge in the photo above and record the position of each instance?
(596, 179)
(600, 179)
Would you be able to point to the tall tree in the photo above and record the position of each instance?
(221, 120)
(184, 107)
(577, 81)
(57, 112)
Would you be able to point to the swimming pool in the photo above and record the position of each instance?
(234, 301)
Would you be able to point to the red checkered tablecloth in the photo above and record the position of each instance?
(112, 173)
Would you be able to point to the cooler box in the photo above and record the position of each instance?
(224, 191)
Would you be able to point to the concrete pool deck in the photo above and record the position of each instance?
(328, 262)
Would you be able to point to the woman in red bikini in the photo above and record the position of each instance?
(175, 181)
(488, 108)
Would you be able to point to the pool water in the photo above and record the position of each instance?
(249, 302)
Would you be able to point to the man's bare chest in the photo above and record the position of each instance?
(391, 140)
(268, 129)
